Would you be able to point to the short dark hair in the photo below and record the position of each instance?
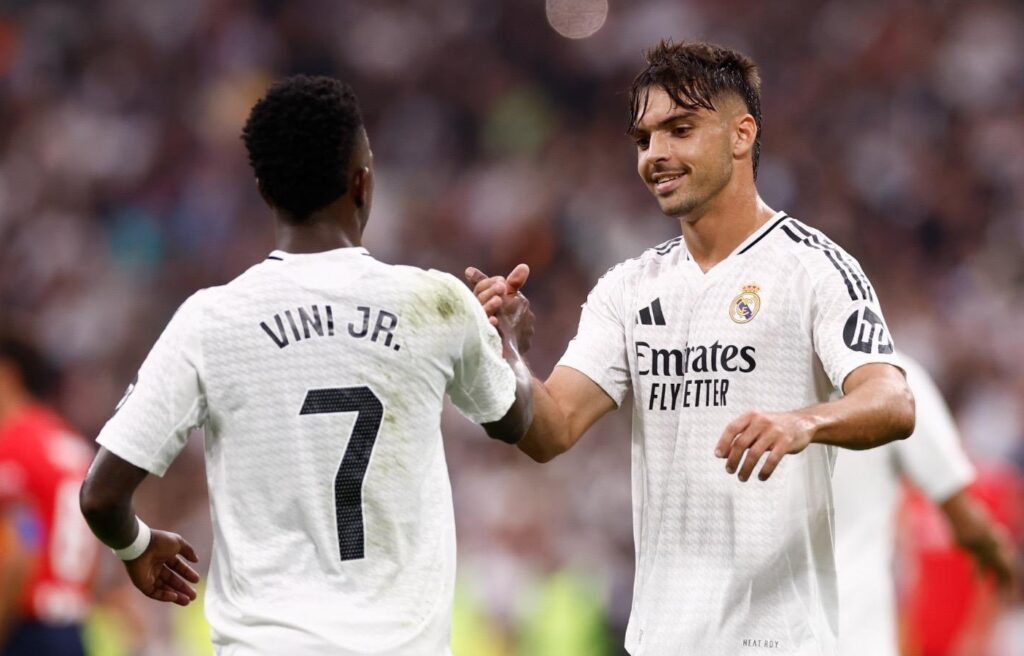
(693, 74)
(37, 372)
(300, 137)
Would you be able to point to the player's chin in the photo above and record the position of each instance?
(674, 206)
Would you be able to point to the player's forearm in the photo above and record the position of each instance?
(550, 434)
(971, 525)
(988, 542)
(106, 499)
(114, 525)
(876, 412)
(513, 426)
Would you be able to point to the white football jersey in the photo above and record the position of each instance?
(725, 567)
(867, 486)
(320, 380)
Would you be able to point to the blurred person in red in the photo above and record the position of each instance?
(47, 555)
(948, 610)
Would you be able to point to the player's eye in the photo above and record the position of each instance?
(681, 130)
(643, 142)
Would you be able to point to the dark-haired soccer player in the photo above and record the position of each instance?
(319, 375)
(47, 557)
(730, 338)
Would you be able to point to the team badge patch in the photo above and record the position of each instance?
(744, 307)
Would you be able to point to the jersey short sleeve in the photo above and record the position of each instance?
(483, 386)
(848, 327)
(151, 423)
(599, 349)
(932, 457)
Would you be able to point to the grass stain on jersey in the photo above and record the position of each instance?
(446, 305)
(431, 305)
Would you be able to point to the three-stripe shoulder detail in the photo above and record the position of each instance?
(857, 284)
(659, 251)
(668, 246)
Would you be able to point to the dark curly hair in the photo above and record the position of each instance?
(300, 137)
(37, 372)
(693, 74)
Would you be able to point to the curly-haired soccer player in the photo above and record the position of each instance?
(319, 375)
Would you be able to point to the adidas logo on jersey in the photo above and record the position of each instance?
(652, 314)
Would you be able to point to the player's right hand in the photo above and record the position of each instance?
(161, 572)
(502, 301)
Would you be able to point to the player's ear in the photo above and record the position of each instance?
(744, 135)
(362, 186)
(362, 171)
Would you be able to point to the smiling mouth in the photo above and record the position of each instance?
(664, 183)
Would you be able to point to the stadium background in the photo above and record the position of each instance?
(896, 127)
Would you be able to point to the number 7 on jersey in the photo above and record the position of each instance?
(348, 482)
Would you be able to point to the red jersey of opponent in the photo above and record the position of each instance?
(42, 465)
(949, 609)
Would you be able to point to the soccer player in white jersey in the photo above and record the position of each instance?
(319, 375)
(868, 489)
(730, 339)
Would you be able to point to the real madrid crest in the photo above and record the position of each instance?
(744, 307)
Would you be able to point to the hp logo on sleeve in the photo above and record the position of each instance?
(865, 332)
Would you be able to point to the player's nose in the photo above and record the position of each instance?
(658, 150)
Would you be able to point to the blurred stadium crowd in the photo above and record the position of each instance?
(897, 128)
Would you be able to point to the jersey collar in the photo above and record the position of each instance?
(760, 233)
(752, 240)
(351, 251)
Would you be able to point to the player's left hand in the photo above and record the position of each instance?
(161, 572)
(755, 433)
(998, 556)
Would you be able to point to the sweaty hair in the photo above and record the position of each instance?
(300, 137)
(695, 74)
(36, 371)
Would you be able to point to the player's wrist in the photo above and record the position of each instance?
(139, 545)
(812, 424)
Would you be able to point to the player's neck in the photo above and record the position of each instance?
(713, 232)
(322, 231)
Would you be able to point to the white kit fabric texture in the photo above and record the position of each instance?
(320, 379)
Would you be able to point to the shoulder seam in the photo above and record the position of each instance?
(857, 285)
(667, 247)
(658, 251)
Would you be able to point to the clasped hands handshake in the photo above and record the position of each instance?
(506, 307)
(753, 433)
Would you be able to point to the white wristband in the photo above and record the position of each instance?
(135, 549)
